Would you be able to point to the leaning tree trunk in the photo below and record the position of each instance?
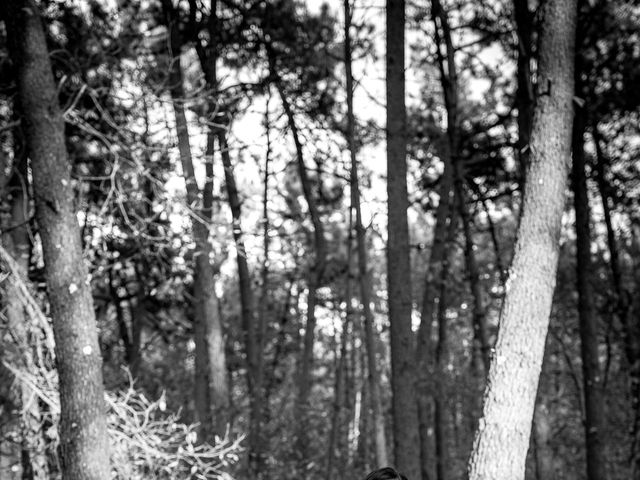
(84, 446)
(593, 400)
(405, 414)
(502, 439)
(211, 386)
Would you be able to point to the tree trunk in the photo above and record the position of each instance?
(502, 438)
(84, 444)
(625, 310)
(340, 380)
(524, 93)
(380, 438)
(541, 442)
(211, 386)
(591, 376)
(405, 414)
(18, 245)
(315, 278)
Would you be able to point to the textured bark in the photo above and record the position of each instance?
(405, 415)
(591, 375)
(502, 438)
(371, 340)
(84, 446)
(211, 387)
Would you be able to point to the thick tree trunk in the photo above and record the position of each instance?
(371, 340)
(211, 387)
(502, 438)
(594, 421)
(403, 375)
(84, 445)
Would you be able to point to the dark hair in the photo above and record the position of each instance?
(386, 473)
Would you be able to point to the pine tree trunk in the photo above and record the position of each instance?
(405, 415)
(591, 375)
(211, 386)
(371, 340)
(502, 439)
(84, 446)
(524, 93)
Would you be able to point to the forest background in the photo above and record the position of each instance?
(220, 167)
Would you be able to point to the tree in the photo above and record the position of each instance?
(83, 426)
(211, 382)
(500, 446)
(405, 415)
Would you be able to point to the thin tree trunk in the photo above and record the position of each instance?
(317, 271)
(84, 445)
(591, 374)
(524, 94)
(502, 439)
(405, 415)
(371, 341)
(625, 311)
(18, 244)
(339, 388)
(541, 441)
(211, 387)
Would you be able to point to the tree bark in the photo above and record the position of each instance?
(84, 445)
(403, 375)
(502, 438)
(211, 387)
(371, 341)
(591, 375)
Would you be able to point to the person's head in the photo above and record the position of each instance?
(386, 473)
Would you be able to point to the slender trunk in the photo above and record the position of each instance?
(403, 374)
(524, 93)
(339, 388)
(625, 310)
(480, 325)
(502, 438)
(591, 375)
(18, 245)
(441, 362)
(84, 445)
(541, 441)
(211, 387)
(315, 277)
(364, 278)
